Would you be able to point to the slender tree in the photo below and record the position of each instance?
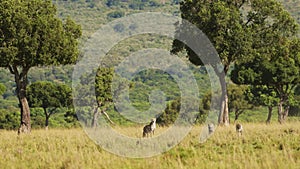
(49, 96)
(103, 91)
(32, 35)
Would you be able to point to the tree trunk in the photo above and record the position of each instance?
(103, 112)
(47, 122)
(236, 117)
(21, 82)
(286, 112)
(47, 118)
(280, 111)
(25, 126)
(95, 117)
(224, 114)
(270, 108)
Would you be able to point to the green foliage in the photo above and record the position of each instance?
(295, 109)
(116, 14)
(169, 116)
(221, 22)
(33, 36)
(262, 96)
(2, 89)
(275, 60)
(103, 84)
(171, 113)
(237, 99)
(9, 119)
(49, 95)
(92, 14)
(146, 81)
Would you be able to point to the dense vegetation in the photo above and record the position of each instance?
(91, 14)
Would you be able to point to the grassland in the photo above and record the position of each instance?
(261, 146)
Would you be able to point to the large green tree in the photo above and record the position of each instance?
(223, 23)
(49, 96)
(275, 54)
(32, 35)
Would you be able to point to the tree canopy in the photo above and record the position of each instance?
(274, 59)
(222, 22)
(32, 35)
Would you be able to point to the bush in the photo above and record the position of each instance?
(9, 120)
(115, 14)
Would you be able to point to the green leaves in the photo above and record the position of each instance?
(32, 35)
(222, 23)
(49, 95)
(103, 85)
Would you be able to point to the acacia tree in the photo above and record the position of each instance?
(275, 60)
(49, 96)
(32, 35)
(223, 23)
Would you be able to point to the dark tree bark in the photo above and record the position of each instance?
(237, 115)
(270, 109)
(21, 82)
(280, 107)
(47, 115)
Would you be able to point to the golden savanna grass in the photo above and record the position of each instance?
(261, 146)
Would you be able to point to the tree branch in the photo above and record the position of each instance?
(103, 112)
(10, 69)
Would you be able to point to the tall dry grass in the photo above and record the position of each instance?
(261, 146)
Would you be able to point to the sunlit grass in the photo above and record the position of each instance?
(261, 146)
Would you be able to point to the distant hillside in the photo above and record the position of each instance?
(92, 14)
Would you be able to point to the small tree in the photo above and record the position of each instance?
(49, 96)
(31, 35)
(103, 91)
(237, 100)
(170, 114)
